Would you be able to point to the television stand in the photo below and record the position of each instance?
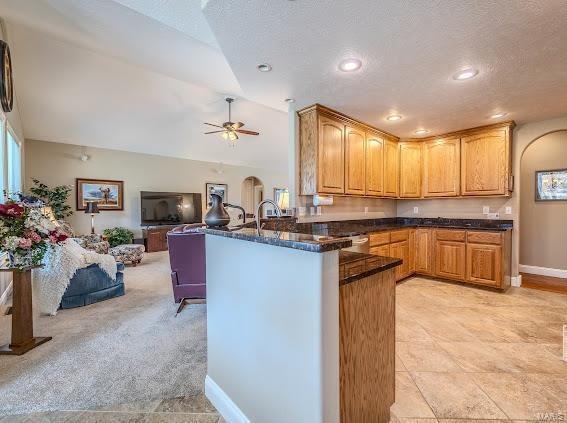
(155, 237)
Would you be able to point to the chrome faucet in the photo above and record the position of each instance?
(259, 207)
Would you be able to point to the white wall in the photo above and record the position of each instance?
(59, 164)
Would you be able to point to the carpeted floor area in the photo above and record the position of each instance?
(125, 350)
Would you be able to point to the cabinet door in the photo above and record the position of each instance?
(401, 250)
(441, 168)
(484, 264)
(355, 156)
(391, 167)
(424, 251)
(410, 169)
(450, 259)
(374, 165)
(331, 165)
(485, 163)
(383, 250)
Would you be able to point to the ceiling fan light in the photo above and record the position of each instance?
(224, 135)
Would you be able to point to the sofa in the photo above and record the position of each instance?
(91, 285)
(188, 263)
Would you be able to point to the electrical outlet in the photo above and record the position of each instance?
(508, 210)
(485, 209)
(493, 215)
(416, 210)
(365, 210)
(301, 211)
(312, 211)
(319, 210)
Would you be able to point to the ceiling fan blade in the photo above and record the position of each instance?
(211, 124)
(237, 125)
(244, 131)
(214, 132)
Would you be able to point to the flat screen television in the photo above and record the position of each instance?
(170, 208)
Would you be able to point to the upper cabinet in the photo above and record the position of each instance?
(374, 165)
(441, 167)
(355, 157)
(391, 169)
(485, 162)
(340, 155)
(410, 169)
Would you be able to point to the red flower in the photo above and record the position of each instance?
(12, 210)
(34, 236)
(56, 236)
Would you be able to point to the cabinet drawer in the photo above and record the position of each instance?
(379, 238)
(383, 250)
(482, 237)
(450, 235)
(398, 236)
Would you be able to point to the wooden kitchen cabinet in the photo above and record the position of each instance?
(441, 167)
(485, 162)
(410, 169)
(484, 264)
(391, 169)
(450, 259)
(424, 257)
(382, 250)
(355, 158)
(374, 165)
(330, 175)
(401, 250)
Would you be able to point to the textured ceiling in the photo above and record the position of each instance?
(409, 50)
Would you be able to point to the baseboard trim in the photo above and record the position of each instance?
(5, 295)
(544, 271)
(516, 281)
(222, 402)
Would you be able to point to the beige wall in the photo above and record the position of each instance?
(543, 225)
(463, 208)
(346, 208)
(56, 164)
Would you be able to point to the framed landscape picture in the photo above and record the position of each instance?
(551, 185)
(220, 189)
(109, 195)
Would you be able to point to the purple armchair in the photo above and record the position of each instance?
(188, 264)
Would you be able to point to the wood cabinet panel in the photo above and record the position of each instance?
(399, 235)
(331, 175)
(450, 259)
(156, 238)
(485, 163)
(355, 157)
(382, 250)
(484, 237)
(374, 165)
(410, 169)
(391, 169)
(379, 238)
(401, 250)
(441, 167)
(484, 264)
(450, 235)
(424, 251)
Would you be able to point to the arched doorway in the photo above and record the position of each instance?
(542, 215)
(252, 193)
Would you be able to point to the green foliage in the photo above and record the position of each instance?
(56, 198)
(118, 236)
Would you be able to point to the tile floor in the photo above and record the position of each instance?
(466, 353)
(463, 354)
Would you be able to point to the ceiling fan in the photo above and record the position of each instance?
(230, 130)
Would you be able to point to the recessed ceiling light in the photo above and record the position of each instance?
(421, 131)
(264, 67)
(290, 100)
(498, 115)
(465, 74)
(350, 65)
(393, 117)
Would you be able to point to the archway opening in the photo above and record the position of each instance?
(252, 192)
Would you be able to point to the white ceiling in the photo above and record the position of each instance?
(102, 74)
(409, 50)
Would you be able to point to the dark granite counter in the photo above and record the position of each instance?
(355, 266)
(298, 241)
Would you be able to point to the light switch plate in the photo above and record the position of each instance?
(508, 210)
(485, 209)
(365, 210)
(415, 210)
(319, 210)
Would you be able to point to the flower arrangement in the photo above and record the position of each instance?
(26, 233)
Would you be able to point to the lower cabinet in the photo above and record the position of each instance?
(484, 264)
(424, 251)
(401, 250)
(450, 259)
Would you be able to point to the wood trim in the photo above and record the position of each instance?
(464, 132)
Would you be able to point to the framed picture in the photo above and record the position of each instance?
(109, 195)
(551, 185)
(219, 189)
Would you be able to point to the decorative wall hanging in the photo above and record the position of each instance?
(551, 185)
(6, 84)
(109, 195)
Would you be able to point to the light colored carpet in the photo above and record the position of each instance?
(122, 350)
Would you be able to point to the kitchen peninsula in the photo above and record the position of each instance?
(298, 330)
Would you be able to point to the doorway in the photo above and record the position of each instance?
(252, 193)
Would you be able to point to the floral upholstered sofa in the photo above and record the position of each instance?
(94, 243)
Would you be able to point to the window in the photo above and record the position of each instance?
(14, 157)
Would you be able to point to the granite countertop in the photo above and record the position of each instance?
(355, 266)
(298, 241)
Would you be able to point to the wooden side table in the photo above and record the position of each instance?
(22, 315)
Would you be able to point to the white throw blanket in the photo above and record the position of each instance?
(61, 263)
